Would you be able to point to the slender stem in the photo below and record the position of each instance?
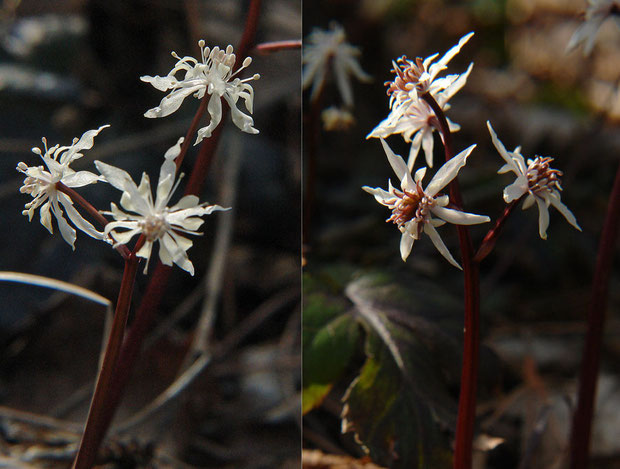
(469, 373)
(276, 46)
(89, 444)
(155, 289)
(92, 211)
(192, 130)
(488, 243)
(582, 420)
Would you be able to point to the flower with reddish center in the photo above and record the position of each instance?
(419, 76)
(538, 180)
(411, 116)
(413, 207)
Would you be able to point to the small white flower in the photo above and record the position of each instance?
(337, 119)
(41, 182)
(154, 219)
(214, 76)
(412, 206)
(597, 12)
(415, 120)
(536, 179)
(419, 76)
(325, 49)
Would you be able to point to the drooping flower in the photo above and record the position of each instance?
(419, 76)
(328, 49)
(415, 120)
(538, 180)
(214, 76)
(597, 12)
(154, 219)
(412, 206)
(41, 182)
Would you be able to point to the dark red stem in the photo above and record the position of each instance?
(469, 374)
(488, 243)
(146, 312)
(582, 420)
(92, 211)
(276, 46)
(89, 444)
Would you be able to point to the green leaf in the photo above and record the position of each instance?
(330, 337)
(401, 399)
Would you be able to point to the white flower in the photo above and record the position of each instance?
(337, 119)
(214, 76)
(154, 219)
(415, 120)
(597, 12)
(325, 49)
(536, 179)
(414, 78)
(412, 206)
(41, 182)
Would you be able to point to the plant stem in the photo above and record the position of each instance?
(582, 420)
(469, 373)
(488, 243)
(276, 46)
(92, 211)
(147, 310)
(89, 443)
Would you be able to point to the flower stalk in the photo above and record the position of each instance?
(155, 289)
(582, 419)
(89, 443)
(471, 342)
(488, 243)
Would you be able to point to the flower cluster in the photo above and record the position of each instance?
(410, 115)
(412, 206)
(328, 49)
(214, 76)
(143, 214)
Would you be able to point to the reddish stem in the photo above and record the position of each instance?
(187, 142)
(89, 444)
(92, 211)
(155, 289)
(582, 420)
(488, 243)
(276, 46)
(469, 373)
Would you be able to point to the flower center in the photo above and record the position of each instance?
(410, 206)
(153, 226)
(408, 75)
(540, 177)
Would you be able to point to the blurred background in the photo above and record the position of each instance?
(535, 293)
(70, 66)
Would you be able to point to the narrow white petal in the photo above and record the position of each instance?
(543, 217)
(448, 172)
(430, 230)
(414, 150)
(563, 209)
(427, 144)
(516, 189)
(457, 217)
(406, 244)
(399, 166)
(80, 179)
